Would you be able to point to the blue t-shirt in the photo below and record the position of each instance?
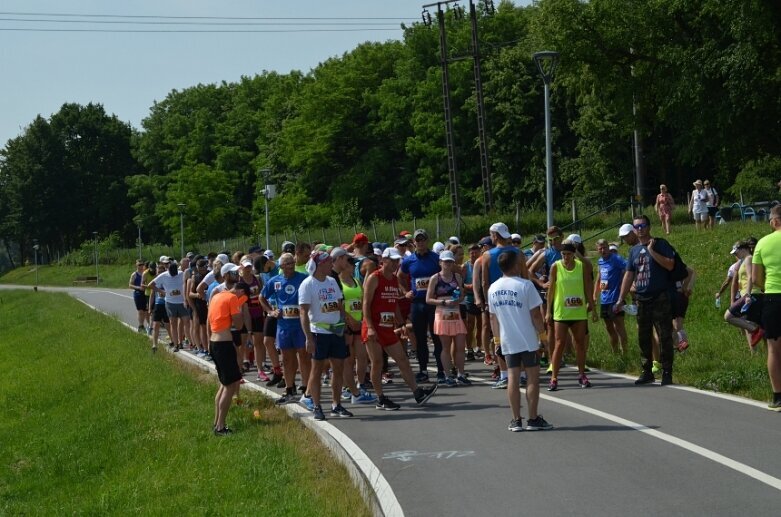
(494, 273)
(209, 290)
(611, 273)
(650, 278)
(420, 268)
(284, 292)
(469, 297)
(552, 255)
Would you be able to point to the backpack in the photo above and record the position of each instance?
(679, 271)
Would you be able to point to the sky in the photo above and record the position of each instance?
(127, 72)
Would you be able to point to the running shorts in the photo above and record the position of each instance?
(330, 346)
(224, 355)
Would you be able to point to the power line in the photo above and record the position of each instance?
(193, 31)
(208, 23)
(13, 13)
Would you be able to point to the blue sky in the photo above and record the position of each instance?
(127, 72)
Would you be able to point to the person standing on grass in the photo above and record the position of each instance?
(698, 205)
(766, 275)
(749, 320)
(648, 267)
(381, 316)
(224, 314)
(712, 203)
(323, 321)
(731, 272)
(513, 305)
(606, 290)
(138, 286)
(664, 207)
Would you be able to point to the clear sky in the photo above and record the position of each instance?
(127, 71)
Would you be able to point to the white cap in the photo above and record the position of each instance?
(612, 247)
(516, 237)
(501, 229)
(222, 257)
(447, 255)
(574, 238)
(269, 254)
(164, 259)
(453, 240)
(228, 268)
(377, 251)
(437, 247)
(246, 262)
(391, 253)
(625, 230)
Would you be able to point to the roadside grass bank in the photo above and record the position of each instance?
(111, 275)
(93, 423)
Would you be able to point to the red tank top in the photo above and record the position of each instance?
(385, 301)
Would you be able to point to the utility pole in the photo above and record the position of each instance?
(485, 165)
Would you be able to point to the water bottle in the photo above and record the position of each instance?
(456, 294)
(718, 302)
(747, 305)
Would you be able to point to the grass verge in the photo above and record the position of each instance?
(92, 423)
(111, 275)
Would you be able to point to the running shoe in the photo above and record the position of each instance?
(149, 331)
(470, 355)
(463, 381)
(449, 382)
(496, 374)
(553, 385)
(302, 389)
(645, 378)
(262, 376)
(667, 378)
(307, 402)
(363, 398)
(421, 377)
(488, 360)
(583, 381)
(538, 424)
(386, 404)
(281, 383)
(756, 337)
(775, 405)
(387, 378)
(346, 395)
(318, 413)
(523, 381)
(225, 431)
(479, 354)
(367, 385)
(515, 425)
(656, 367)
(422, 395)
(501, 384)
(440, 377)
(141, 329)
(287, 398)
(340, 412)
(276, 378)
(154, 348)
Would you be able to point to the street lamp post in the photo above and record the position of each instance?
(546, 61)
(140, 243)
(97, 275)
(269, 191)
(35, 250)
(181, 227)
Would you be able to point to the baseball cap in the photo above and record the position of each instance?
(453, 240)
(288, 247)
(539, 238)
(501, 229)
(164, 259)
(437, 247)
(574, 237)
(338, 252)
(254, 249)
(612, 247)
(228, 268)
(404, 233)
(401, 241)
(391, 253)
(190, 254)
(447, 256)
(419, 232)
(516, 237)
(625, 230)
(246, 262)
(222, 257)
(485, 241)
(360, 238)
(269, 254)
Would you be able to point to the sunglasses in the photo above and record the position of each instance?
(420, 239)
(640, 226)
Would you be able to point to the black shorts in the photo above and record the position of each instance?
(679, 304)
(527, 359)
(472, 309)
(771, 315)
(160, 314)
(141, 301)
(201, 310)
(330, 346)
(270, 327)
(606, 311)
(712, 211)
(224, 355)
(754, 312)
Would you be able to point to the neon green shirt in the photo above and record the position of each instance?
(569, 303)
(353, 300)
(768, 254)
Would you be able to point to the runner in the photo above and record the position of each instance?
(157, 308)
(611, 272)
(417, 269)
(171, 282)
(198, 302)
(136, 283)
(250, 285)
(303, 250)
(224, 314)
(322, 319)
(381, 315)
(731, 272)
(749, 319)
(474, 320)
(269, 270)
(513, 303)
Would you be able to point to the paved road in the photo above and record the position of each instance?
(617, 449)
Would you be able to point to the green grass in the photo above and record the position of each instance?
(93, 423)
(718, 357)
(113, 276)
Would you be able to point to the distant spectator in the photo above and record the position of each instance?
(664, 207)
(712, 203)
(698, 205)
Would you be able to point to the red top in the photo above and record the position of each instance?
(385, 301)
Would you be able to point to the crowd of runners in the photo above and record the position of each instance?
(320, 315)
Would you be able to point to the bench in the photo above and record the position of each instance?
(86, 280)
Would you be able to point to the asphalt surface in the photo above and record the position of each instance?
(616, 449)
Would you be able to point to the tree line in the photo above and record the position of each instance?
(361, 136)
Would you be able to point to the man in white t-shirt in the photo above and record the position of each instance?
(322, 319)
(513, 302)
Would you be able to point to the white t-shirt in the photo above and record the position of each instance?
(207, 280)
(172, 285)
(323, 300)
(699, 201)
(511, 299)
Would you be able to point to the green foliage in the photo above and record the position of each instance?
(757, 180)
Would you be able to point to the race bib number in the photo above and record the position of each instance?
(329, 307)
(290, 312)
(603, 285)
(573, 302)
(277, 286)
(356, 305)
(387, 319)
(421, 284)
(449, 314)
(176, 292)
